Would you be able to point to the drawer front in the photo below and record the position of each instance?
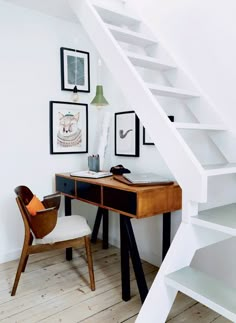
(65, 185)
(120, 200)
(89, 192)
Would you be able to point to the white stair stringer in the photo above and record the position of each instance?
(188, 239)
(184, 165)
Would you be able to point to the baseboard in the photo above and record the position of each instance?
(9, 256)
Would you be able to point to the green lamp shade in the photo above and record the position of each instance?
(99, 99)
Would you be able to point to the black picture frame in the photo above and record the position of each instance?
(75, 69)
(68, 127)
(146, 139)
(126, 134)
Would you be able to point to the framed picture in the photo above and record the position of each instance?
(75, 70)
(146, 139)
(68, 128)
(126, 134)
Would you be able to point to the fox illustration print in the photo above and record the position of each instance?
(69, 135)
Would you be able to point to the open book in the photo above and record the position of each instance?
(90, 174)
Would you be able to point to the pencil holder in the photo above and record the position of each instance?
(93, 163)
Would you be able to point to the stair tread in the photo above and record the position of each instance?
(148, 62)
(114, 16)
(220, 169)
(129, 36)
(170, 91)
(199, 126)
(222, 218)
(205, 289)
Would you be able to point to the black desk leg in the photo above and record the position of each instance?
(96, 225)
(67, 213)
(124, 259)
(105, 229)
(136, 261)
(102, 214)
(166, 233)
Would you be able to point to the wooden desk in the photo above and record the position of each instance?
(130, 202)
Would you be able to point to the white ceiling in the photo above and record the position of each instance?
(56, 8)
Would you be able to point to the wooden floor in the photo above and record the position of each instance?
(54, 290)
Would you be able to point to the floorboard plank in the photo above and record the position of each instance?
(55, 290)
(196, 314)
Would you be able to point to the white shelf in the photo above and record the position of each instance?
(199, 126)
(206, 290)
(131, 37)
(115, 17)
(220, 169)
(148, 62)
(221, 218)
(170, 91)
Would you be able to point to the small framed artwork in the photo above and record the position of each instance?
(68, 127)
(146, 139)
(126, 134)
(75, 70)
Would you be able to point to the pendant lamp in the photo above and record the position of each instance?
(99, 99)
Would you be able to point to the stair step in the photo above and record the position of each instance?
(170, 91)
(220, 169)
(206, 290)
(131, 37)
(115, 17)
(148, 62)
(199, 126)
(222, 218)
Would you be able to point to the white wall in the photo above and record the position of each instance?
(200, 35)
(30, 77)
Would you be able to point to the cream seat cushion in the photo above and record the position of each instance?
(67, 228)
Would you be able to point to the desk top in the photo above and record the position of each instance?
(134, 201)
(112, 182)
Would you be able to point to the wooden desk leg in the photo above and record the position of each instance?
(102, 214)
(68, 213)
(166, 233)
(124, 258)
(136, 261)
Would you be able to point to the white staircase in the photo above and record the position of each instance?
(128, 47)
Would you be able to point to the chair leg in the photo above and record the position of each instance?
(90, 262)
(21, 266)
(26, 258)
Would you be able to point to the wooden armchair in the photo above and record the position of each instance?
(49, 232)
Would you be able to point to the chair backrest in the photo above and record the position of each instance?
(40, 224)
(24, 196)
(24, 193)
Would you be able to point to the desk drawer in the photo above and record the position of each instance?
(120, 200)
(65, 185)
(89, 192)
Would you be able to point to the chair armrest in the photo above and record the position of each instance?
(52, 200)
